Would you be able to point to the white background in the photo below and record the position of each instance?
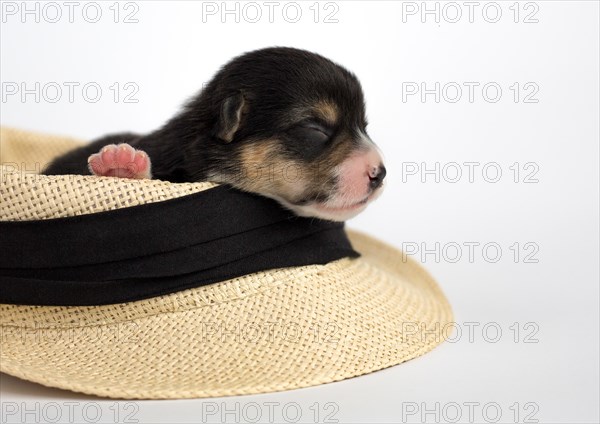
(173, 49)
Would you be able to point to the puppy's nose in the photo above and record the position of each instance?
(376, 176)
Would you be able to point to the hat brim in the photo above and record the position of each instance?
(270, 331)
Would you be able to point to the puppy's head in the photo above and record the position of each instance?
(290, 125)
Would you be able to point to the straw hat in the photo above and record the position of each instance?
(303, 320)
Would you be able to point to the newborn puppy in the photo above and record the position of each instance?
(280, 122)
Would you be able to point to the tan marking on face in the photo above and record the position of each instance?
(327, 111)
(343, 148)
(265, 171)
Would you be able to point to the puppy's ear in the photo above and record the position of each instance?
(231, 115)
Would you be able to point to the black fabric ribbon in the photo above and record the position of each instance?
(159, 248)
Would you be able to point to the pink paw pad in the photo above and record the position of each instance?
(120, 161)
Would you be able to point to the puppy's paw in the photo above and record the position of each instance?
(120, 161)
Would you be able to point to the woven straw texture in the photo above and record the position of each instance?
(269, 331)
(26, 195)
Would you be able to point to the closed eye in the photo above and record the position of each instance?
(319, 128)
(311, 132)
(317, 124)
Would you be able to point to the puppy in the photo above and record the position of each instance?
(280, 122)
